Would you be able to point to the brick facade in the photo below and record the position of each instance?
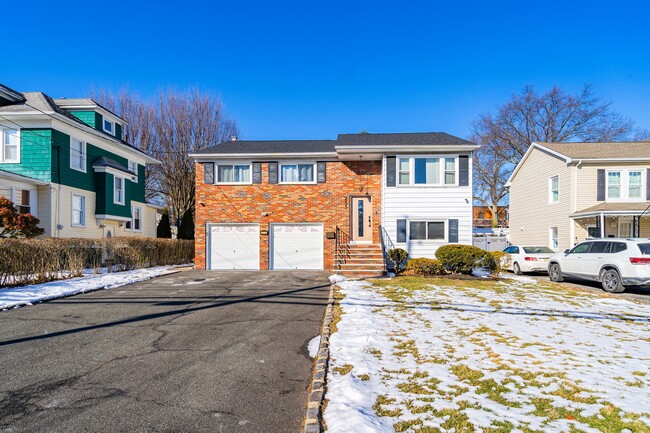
(327, 203)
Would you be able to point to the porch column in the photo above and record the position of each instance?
(602, 226)
(636, 227)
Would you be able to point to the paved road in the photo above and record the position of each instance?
(636, 294)
(190, 352)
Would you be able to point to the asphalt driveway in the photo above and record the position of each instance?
(635, 294)
(195, 351)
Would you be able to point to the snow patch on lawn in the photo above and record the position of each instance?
(28, 295)
(513, 355)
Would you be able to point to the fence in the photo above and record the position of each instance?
(490, 242)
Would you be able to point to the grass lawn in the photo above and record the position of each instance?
(412, 354)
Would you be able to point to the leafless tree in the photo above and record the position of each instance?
(186, 122)
(491, 172)
(553, 116)
(168, 127)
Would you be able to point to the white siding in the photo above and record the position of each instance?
(434, 203)
(531, 214)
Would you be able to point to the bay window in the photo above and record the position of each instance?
(118, 190)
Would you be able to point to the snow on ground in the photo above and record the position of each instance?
(442, 355)
(313, 346)
(28, 295)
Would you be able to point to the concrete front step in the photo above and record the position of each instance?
(364, 259)
(356, 266)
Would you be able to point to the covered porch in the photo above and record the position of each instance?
(612, 220)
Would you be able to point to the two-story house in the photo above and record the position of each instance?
(65, 162)
(331, 204)
(564, 193)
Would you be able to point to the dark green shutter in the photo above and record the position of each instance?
(208, 172)
(453, 231)
(401, 231)
(257, 172)
(647, 184)
(273, 172)
(321, 172)
(391, 176)
(463, 170)
(600, 195)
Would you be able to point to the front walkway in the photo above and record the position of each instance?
(444, 355)
(190, 352)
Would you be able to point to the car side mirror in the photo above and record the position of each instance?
(566, 252)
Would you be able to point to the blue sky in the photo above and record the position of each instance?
(308, 69)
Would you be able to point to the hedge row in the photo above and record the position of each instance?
(31, 261)
(453, 258)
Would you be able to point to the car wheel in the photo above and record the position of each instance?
(611, 281)
(555, 273)
(516, 269)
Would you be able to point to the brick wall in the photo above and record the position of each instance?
(327, 203)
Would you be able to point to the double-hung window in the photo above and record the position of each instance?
(78, 210)
(614, 184)
(634, 184)
(118, 190)
(624, 185)
(10, 150)
(426, 230)
(554, 189)
(77, 154)
(297, 173)
(109, 126)
(427, 171)
(136, 219)
(404, 169)
(233, 173)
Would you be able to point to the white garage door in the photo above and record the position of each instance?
(234, 246)
(297, 246)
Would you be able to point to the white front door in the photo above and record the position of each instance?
(297, 246)
(234, 246)
(624, 228)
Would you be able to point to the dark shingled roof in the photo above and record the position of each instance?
(272, 146)
(314, 146)
(103, 161)
(401, 139)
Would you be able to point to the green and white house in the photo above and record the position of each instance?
(65, 162)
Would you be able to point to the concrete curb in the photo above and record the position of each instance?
(314, 416)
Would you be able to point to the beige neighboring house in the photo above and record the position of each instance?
(564, 193)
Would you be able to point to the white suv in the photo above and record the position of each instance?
(615, 263)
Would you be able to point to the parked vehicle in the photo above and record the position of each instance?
(520, 259)
(615, 263)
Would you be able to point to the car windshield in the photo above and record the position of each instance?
(538, 250)
(645, 248)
